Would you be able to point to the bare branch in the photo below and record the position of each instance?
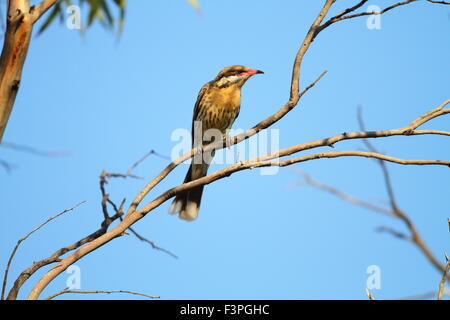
(369, 295)
(427, 295)
(107, 221)
(394, 233)
(34, 151)
(343, 16)
(438, 2)
(444, 278)
(119, 211)
(348, 10)
(55, 257)
(436, 132)
(37, 11)
(150, 242)
(340, 194)
(5, 278)
(414, 236)
(99, 291)
(337, 154)
(151, 152)
(310, 36)
(6, 165)
(395, 211)
(386, 175)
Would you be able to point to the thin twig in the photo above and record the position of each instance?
(394, 211)
(343, 16)
(119, 210)
(340, 194)
(100, 291)
(369, 295)
(415, 237)
(151, 152)
(444, 278)
(154, 246)
(34, 151)
(394, 233)
(6, 165)
(38, 10)
(55, 257)
(5, 278)
(424, 296)
(438, 2)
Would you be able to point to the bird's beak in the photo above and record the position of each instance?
(253, 72)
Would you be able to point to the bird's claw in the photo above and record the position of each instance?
(227, 141)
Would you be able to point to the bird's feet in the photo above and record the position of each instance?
(228, 141)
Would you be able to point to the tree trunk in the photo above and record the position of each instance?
(15, 48)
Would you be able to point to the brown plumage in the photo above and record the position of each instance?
(217, 107)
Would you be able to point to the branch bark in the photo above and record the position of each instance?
(5, 279)
(99, 291)
(15, 47)
(394, 210)
(19, 27)
(445, 276)
(37, 11)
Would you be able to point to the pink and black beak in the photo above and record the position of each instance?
(252, 72)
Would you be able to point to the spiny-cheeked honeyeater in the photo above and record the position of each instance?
(217, 107)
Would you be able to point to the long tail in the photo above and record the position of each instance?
(187, 204)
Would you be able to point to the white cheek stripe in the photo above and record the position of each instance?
(233, 78)
(229, 79)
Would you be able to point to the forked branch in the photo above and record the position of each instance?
(134, 214)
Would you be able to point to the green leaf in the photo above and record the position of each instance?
(121, 4)
(94, 12)
(108, 14)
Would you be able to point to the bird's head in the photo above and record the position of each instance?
(234, 75)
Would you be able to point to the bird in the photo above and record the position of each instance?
(217, 107)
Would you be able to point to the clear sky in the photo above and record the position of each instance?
(109, 102)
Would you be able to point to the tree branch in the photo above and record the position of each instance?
(37, 11)
(343, 16)
(100, 291)
(340, 194)
(5, 278)
(34, 151)
(119, 211)
(444, 278)
(438, 2)
(394, 211)
(55, 257)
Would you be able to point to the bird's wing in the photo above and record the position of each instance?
(199, 99)
(197, 106)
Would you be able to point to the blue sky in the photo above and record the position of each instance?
(109, 102)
